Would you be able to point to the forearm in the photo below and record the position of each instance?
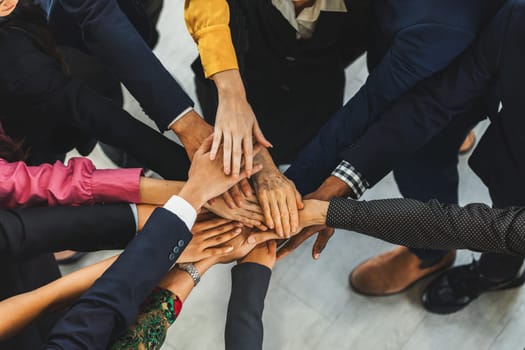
(249, 286)
(432, 224)
(157, 192)
(180, 283)
(191, 130)
(22, 309)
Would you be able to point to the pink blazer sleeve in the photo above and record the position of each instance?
(77, 183)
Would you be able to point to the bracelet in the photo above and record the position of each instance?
(192, 271)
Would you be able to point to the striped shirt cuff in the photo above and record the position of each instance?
(349, 175)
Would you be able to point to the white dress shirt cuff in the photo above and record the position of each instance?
(182, 209)
(182, 114)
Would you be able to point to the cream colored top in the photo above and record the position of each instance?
(305, 22)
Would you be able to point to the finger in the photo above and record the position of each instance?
(249, 218)
(246, 188)
(229, 200)
(237, 195)
(252, 207)
(227, 151)
(296, 241)
(293, 212)
(222, 238)
(298, 198)
(276, 214)
(217, 136)
(204, 216)
(265, 205)
(261, 227)
(202, 226)
(285, 216)
(320, 243)
(216, 251)
(259, 136)
(248, 155)
(237, 155)
(261, 237)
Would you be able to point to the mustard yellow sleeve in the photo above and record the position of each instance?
(208, 24)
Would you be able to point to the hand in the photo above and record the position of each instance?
(243, 244)
(235, 124)
(325, 233)
(206, 180)
(279, 200)
(332, 187)
(236, 196)
(210, 240)
(250, 214)
(263, 254)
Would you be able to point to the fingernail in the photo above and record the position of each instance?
(251, 240)
(316, 256)
(238, 230)
(239, 224)
(229, 249)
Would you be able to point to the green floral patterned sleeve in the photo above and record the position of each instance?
(156, 315)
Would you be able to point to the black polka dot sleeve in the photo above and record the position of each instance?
(432, 224)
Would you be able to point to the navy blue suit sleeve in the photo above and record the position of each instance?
(49, 93)
(112, 303)
(416, 52)
(244, 328)
(109, 34)
(28, 232)
(426, 110)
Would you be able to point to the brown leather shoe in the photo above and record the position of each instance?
(394, 271)
(468, 143)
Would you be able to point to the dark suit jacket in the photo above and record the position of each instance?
(54, 113)
(102, 28)
(244, 328)
(111, 305)
(491, 68)
(412, 40)
(27, 234)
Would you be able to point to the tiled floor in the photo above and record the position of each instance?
(309, 304)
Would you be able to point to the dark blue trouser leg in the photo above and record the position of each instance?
(432, 173)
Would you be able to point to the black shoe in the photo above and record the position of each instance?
(456, 288)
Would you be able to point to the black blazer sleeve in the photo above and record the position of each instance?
(109, 34)
(433, 225)
(244, 328)
(428, 108)
(111, 305)
(39, 97)
(28, 232)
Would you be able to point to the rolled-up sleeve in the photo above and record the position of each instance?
(78, 182)
(208, 24)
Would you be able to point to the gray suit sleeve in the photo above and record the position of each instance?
(433, 224)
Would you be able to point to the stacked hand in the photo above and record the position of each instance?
(206, 178)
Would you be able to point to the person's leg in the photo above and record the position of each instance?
(431, 174)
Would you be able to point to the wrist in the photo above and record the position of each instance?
(193, 196)
(192, 130)
(333, 187)
(229, 84)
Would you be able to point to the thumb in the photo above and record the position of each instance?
(259, 136)
(320, 243)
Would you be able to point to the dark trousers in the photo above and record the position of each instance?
(432, 172)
